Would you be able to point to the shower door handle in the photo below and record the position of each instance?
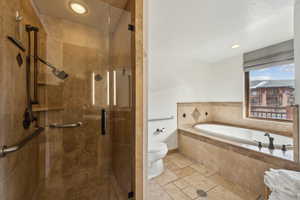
(103, 121)
(75, 125)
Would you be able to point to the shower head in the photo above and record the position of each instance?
(98, 77)
(60, 74)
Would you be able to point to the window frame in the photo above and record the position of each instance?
(248, 102)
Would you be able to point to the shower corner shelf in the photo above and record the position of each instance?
(44, 108)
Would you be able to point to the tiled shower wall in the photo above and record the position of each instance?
(19, 172)
(65, 164)
(231, 113)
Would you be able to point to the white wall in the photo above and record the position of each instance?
(192, 82)
(162, 104)
(297, 47)
(173, 80)
(228, 80)
(297, 50)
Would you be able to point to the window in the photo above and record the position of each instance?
(270, 82)
(254, 93)
(274, 98)
(255, 96)
(271, 92)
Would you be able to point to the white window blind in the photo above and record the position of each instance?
(278, 54)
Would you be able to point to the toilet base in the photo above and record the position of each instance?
(155, 169)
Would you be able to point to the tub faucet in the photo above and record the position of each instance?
(271, 141)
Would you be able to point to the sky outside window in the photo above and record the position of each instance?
(282, 72)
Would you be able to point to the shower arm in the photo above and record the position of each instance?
(57, 72)
(45, 62)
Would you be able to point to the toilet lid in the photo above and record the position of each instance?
(155, 147)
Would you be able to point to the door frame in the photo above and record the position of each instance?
(139, 101)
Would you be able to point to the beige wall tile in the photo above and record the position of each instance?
(228, 113)
(19, 172)
(81, 152)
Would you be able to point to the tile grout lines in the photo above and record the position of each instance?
(183, 177)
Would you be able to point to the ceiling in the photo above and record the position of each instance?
(205, 30)
(100, 12)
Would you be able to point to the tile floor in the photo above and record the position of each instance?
(183, 177)
(55, 189)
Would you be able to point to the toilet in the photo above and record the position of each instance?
(156, 152)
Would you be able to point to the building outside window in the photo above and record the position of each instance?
(272, 92)
(270, 82)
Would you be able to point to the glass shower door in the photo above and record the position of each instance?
(121, 109)
(93, 161)
(86, 150)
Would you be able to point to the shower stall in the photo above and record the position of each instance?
(80, 144)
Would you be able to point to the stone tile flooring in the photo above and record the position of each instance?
(183, 177)
(55, 189)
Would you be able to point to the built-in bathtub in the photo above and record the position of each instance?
(239, 137)
(243, 135)
(217, 135)
(233, 152)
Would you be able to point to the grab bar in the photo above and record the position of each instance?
(75, 125)
(10, 149)
(160, 119)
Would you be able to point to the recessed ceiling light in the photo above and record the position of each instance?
(78, 8)
(235, 46)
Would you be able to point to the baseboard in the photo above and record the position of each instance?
(173, 151)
